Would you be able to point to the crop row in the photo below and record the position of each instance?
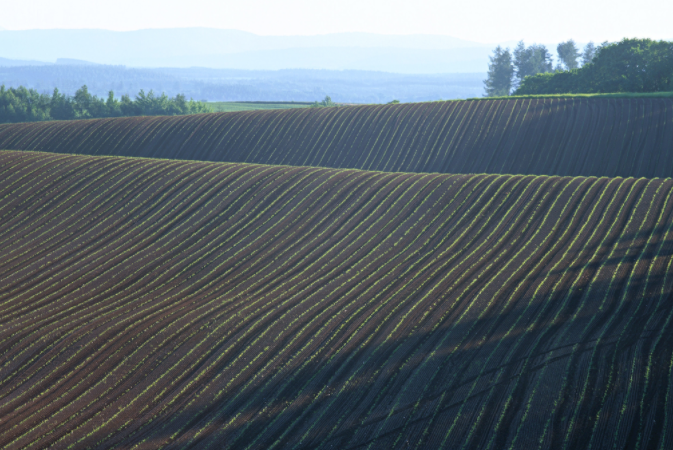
(551, 136)
(152, 303)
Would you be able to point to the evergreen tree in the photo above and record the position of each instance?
(500, 72)
(542, 60)
(588, 53)
(568, 54)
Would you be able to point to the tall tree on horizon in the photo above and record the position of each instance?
(588, 53)
(500, 71)
(568, 54)
(531, 61)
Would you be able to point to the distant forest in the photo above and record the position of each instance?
(216, 85)
(28, 105)
(631, 65)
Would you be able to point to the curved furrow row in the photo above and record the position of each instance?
(552, 136)
(176, 304)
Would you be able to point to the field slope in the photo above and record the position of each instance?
(155, 303)
(551, 136)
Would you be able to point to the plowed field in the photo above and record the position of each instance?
(155, 303)
(552, 136)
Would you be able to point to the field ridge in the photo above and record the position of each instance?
(150, 303)
(567, 136)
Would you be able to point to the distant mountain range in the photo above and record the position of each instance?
(232, 49)
(5, 62)
(347, 86)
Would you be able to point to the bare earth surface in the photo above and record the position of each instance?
(175, 304)
(543, 136)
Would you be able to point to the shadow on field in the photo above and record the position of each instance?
(409, 393)
(571, 137)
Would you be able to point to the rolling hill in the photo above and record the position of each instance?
(150, 303)
(544, 136)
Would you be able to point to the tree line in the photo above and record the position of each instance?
(631, 65)
(303, 85)
(28, 105)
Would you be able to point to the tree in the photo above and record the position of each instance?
(23, 105)
(128, 107)
(327, 102)
(531, 61)
(500, 71)
(113, 106)
(631, 65)
(542, 60)
(28, 105)
(588, 53)
(568, 54)
(88, 106)
(61, 107)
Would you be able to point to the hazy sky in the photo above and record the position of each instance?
(485, 21)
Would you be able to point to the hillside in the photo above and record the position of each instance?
(552, 136)
(149, 303)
